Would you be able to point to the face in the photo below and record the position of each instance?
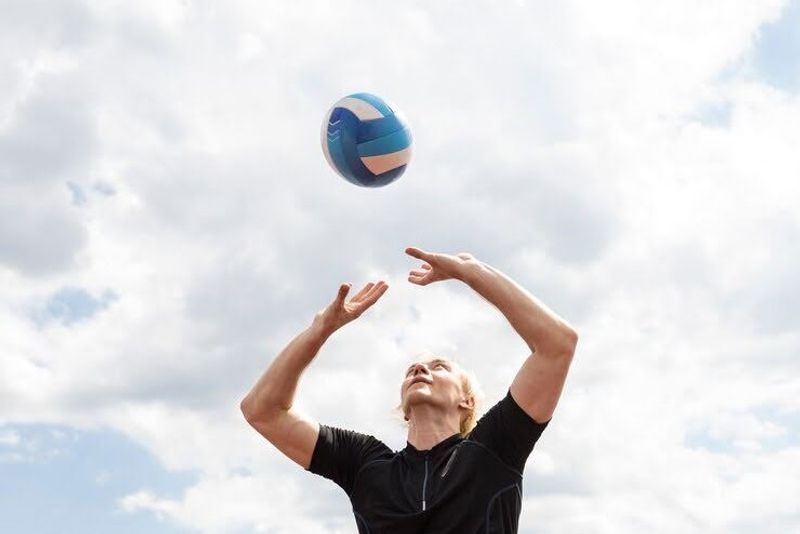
(433, 381)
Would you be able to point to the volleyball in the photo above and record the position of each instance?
(366, 140)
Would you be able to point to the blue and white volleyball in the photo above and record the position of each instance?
(366, 141)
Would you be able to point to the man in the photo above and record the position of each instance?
(450, 478)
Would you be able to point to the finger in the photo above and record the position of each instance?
(368, 294)
(364, 291)
(419, 275)
(374, 295)
(380, 286)
(419, 279)
(418, 253)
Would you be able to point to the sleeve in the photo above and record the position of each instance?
(509, 432)
(339, 454)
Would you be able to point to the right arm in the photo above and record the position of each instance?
(268, 405)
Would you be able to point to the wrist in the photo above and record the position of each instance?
(320, 330)
(470, 271)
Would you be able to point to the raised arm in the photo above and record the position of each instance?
(539, 382)
(268, 407)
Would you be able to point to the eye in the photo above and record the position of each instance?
(440, 365)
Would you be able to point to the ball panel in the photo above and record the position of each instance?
(386, 162)
(369, 130)
(341, 139)
(360, 108)
(393, 142)
(387, 177)
(378, 103)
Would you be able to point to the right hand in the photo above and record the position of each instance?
(339, 313)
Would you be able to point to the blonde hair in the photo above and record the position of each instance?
(471, 388)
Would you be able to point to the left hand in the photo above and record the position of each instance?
(340, 312)
(437, 267)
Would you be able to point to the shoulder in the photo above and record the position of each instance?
(343, 444)
(349, 438)
(341, 453)
(507, 412)
(508, 431)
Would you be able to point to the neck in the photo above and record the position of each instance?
(428, 426)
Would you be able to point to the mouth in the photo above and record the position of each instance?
(419, 380)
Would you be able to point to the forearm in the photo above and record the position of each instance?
(541, 328)
(275, 390)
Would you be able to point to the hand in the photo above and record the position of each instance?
(339, 313)
(438, 267)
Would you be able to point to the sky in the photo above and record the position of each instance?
(168, 223)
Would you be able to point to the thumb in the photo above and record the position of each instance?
(343, 290)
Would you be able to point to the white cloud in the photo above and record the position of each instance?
(9, 438)
(253, 504)
(565, 144)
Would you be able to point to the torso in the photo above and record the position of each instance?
(458, 486)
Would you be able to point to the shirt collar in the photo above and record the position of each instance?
(444, 444)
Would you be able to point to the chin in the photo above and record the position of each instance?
(409, 397)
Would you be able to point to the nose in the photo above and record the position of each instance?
(418, 367)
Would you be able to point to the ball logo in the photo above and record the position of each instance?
(333, 131)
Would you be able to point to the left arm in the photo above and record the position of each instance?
(539, 382)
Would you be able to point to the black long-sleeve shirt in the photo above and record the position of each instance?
(460, 486)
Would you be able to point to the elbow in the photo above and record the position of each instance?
(248, 410)
(572, 338)
(571, 342)
(256, 412)
(564, 344)
(244, 406)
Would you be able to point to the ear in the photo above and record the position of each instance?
(467, 403)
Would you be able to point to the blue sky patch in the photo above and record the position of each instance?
(69, 305)
(777, 50)
(78, 195)
(56, 479)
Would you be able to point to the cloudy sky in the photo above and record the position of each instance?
(168, 223)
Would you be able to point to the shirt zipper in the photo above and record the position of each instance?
(425, 482)
(449, 463)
